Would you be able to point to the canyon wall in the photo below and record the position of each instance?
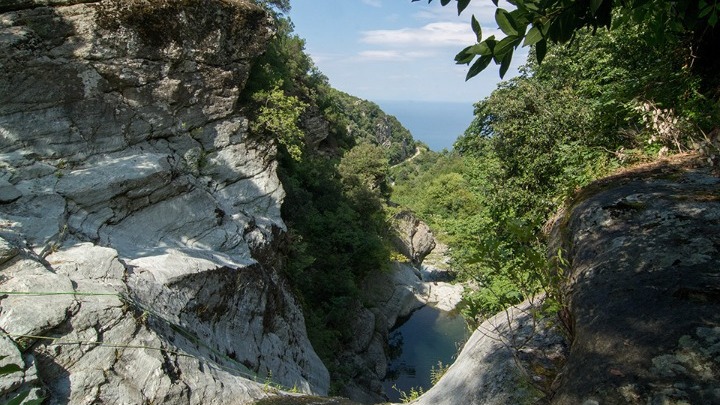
(139, 222)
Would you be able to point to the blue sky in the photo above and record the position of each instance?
(396, 49)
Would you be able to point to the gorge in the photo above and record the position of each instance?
(163, 240)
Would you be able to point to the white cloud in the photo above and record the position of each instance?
(484, 11)
(431, 35)
(373, 3)
(393, 55)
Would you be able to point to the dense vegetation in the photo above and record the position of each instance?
(604, 100)
(334, 152)
(543, 23)
(593, 105)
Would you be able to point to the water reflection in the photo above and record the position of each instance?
(427, 337)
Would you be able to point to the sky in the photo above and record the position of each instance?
(390, 50)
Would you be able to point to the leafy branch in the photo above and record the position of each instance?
(539, 23)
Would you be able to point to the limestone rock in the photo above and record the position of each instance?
(132, 191)
(395, 294)
(8, 192)
(644, 288)
(444, 296)
(412, 237)
(7, 251)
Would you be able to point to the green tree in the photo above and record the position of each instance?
(278, 115)
(540, 23)
(534, 141)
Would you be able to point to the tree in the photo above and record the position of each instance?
(539, 23)
(282, 6)
(278, 115)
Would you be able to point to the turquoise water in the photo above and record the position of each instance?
(427, 337)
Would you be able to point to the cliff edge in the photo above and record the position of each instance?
(139, 221)
(644, 287)
(642, 254)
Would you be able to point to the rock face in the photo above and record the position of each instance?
(644, 303)
(389, 297)
(498, 365)
(413, 238)
(131, 188)
(645, 288)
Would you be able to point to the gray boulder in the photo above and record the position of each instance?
(413, 238)
(8, 192)
(644, 287)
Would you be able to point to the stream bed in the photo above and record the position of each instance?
(429, 336)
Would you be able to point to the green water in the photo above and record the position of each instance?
(427, 337)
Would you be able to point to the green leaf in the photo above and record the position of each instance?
(520, 20)
(562, 29)
(533, 36)
(9, 369)
(595, 5)
(713, 19)
(465, 56)
(486, 47)
(505, 65)
(530, 6)
(506, 22)
(18, 399)
(462, 5)
(478, 66)
(541, 50)
(477, 29)
(504, 46)
(444, 2)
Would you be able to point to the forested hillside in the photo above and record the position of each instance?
(603, 101)
(334, 158)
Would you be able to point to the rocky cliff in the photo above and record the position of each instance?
(139, 220)
(642, 325)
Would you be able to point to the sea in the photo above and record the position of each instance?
(437, 124)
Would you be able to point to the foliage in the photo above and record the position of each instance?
(280, 5)
(590, 107)
(337, 239)
(278, 115)
(539, 23)
(407, 397)
(364, 171)
(437, 373)
(367, 123)
(333, 166)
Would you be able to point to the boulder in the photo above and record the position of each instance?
(8, 192)
(644, 289)
(395, 294)
(412, 237)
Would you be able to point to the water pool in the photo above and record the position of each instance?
(427, 337)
